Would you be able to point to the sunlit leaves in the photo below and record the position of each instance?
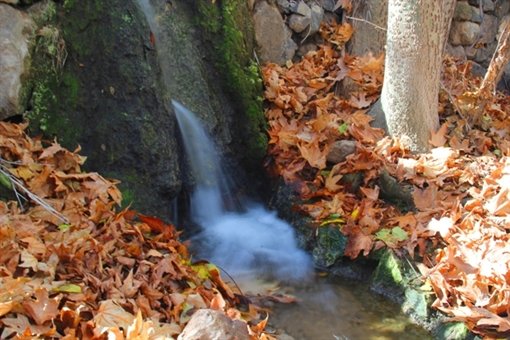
(122, 275)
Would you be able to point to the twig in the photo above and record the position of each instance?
(17, 183)
(367, 22)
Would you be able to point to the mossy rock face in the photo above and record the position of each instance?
(98, 87)
(228, 29)
(330, 246)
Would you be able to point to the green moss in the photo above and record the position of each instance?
(330, 246)
(389, 271)
(231, 35)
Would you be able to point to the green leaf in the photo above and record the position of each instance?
(343, 128)
(5, 181)
(392, 236)
(64, 227)
(332, 219)
(68, 288)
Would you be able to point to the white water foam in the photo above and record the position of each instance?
(254, 241)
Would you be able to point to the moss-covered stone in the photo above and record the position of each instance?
(453, 331)
(228, 28)
(389, 274)
(329, 247)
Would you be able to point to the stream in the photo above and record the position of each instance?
(331, 308)
(253, 244)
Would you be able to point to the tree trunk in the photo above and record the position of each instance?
(417, 32)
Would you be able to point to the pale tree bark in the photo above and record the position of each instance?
(416, 36)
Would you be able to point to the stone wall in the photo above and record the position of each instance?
(474, 30)
(287, 29)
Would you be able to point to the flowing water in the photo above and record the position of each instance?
(251, 242)
(243, 241)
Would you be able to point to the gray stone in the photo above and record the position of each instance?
(488, 29)
(305, 48)
(272, 35)
(456, 51)
(476, 15)
(16, 29)
(285, 5)
(208, 324)
(10, 2)
(340, 150)
(487, 5)
(502, 8)
(464, 33)
(317, 16)
(299, 23)
(477, 70)
(328, 5)
(463, 11)
(302, 8)
(470, 52)
(484, 54)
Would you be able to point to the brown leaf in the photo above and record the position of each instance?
(42, 308)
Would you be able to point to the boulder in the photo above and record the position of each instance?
(208, 324)
(272, 35)
(16, 29)
(340, 150)
(10, 2)
(464, 33)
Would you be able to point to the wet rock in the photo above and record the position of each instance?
(208, 324)
(317, 16)
(464, 33)
(16, 30)
(299, 23)
(340, 150)
(330, 246)
(272, 35)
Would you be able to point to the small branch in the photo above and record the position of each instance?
(499, 60)
(367, 22)
(17, 183)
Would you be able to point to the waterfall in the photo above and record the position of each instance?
(244, 240)
(254, 241)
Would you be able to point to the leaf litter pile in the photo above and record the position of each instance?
(457, 225)
(72, 267)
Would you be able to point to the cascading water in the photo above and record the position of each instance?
(252, 241)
